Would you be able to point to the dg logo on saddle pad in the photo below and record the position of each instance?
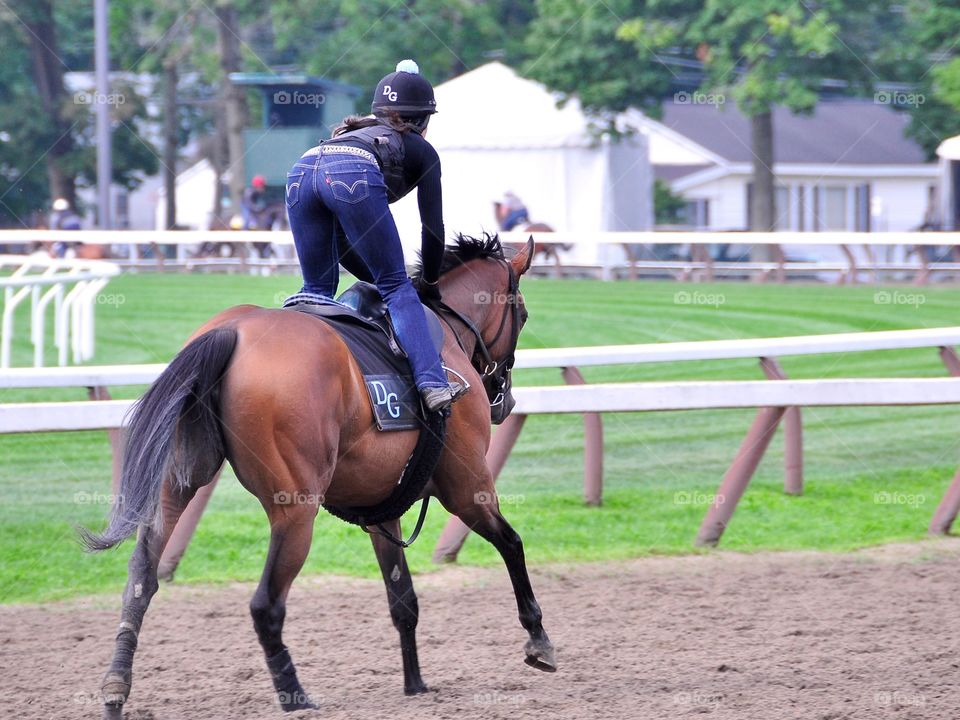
(395, 401)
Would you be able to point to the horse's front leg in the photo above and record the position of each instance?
(480, 511)
(404, 609)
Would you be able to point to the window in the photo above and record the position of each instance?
(833, 210)
(696, 213)
(781, 208)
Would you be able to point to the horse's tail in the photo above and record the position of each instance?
(174, 428)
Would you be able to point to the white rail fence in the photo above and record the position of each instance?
(777, 399)
(615, 251)
(69, 287)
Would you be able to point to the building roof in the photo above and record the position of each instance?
(847, 132)
(669, 173)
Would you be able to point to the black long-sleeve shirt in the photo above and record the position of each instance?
(421, 169)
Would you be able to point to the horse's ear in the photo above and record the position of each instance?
(521, 261)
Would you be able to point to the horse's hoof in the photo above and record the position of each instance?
(418, 689)
(114, 692)
(292, 701)
(541, 655)
(113, 711)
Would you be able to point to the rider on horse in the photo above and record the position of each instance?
(337, 200)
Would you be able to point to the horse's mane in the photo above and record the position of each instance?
(465, 249)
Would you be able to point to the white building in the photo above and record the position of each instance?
(948, 196)
(847, 166)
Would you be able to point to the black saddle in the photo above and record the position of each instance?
(361, 303)
(361, 319)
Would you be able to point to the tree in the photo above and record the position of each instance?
(932, 30)
(233, 96)
(763, 53)
(46, 130)
(39, 32)
(760, 53)
(359, 41)
(574, 48)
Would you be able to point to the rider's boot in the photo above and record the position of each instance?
(437, 399)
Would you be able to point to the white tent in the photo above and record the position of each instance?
(496, 131)
(196, 197)
(948, 191)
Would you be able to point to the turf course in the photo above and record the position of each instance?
(873, 475)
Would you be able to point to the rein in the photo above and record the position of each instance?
(500, 371)
(399, 541)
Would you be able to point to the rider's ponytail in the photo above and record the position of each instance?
(389, 118)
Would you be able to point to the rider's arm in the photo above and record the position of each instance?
(430, 200)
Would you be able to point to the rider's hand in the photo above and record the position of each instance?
(428, 292)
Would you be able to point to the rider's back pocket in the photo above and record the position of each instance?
(349, 187)
(294, 181)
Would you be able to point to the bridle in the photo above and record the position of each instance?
(496, 375)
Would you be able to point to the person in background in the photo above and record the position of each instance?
(63, 218)
(337, 201)
(510, 211)
(254, 204)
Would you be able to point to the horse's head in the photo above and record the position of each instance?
(483, 305)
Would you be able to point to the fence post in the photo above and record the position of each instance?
(792, 434)
(592, 446)
(737, 478)
(949, 506)
(116, 441)
(184, 529)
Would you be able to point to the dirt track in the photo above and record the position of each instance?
(870, 635)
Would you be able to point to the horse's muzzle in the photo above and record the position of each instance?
(500, 411)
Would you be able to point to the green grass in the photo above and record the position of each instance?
(49, 482)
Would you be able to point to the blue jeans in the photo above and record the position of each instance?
(337, 204)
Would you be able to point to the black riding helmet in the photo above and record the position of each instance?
(404, 91)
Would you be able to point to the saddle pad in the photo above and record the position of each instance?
(389, 381)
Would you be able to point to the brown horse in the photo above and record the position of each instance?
(278, 395)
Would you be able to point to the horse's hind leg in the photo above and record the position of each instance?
(291, 529)
(141, 586)
(404, 609)
(481, 513)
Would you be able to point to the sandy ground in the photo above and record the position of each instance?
(867, 635)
